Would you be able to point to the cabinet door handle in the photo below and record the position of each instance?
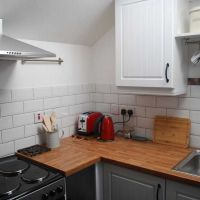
(157, 192)
(166, 70)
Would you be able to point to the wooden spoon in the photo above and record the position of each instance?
(47, 123)
(53, 120)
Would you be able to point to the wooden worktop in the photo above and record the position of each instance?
(76, 154)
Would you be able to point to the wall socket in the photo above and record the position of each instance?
(38, 117)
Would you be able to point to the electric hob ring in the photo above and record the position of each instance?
(13, 167)
(9, 185)
(35, 174)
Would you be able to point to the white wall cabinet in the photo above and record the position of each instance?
(147, 54)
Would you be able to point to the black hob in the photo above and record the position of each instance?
(23, 179)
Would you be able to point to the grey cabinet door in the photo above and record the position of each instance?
(125, 184)
(180, 191)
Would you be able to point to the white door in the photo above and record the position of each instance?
(144, 43)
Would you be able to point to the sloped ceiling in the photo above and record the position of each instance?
(70, 21)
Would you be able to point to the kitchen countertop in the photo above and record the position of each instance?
(76, 154)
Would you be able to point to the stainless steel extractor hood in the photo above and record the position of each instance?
(12, 49)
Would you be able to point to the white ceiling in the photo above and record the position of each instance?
(70, 21)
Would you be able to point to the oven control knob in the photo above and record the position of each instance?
(45, 196)
(59, 189)
(52, 193)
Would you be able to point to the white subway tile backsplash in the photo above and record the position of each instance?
(85, 107)
(23, 103)
(114, 109)
(127, 99)
(144, 123)
(103, 88)
(102, 107)
(195, 129)
(5, 96)
(82, 98)
(75, 89)
(76, 109)
(61, 112)
(33, 105)
(146, 101)
(68, 121)
(25, 142)
(195, 141)
(167, 102)
(195, 91)
(178, 113)
(195, 116)
(152, 112)
(32, 129)
(11, 108)
(43, 92)
(139, 111)
(98, 97)
(7, 149)
(92, 88)
(87, 88)
(110, 98)
(92, 106)
(189, 103)
(52, 102)
(59, 91)
(22, 94)
(12, 134)
(6, 123)
(68, 100)
(23, 119)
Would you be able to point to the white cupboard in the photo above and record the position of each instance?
(148, 57)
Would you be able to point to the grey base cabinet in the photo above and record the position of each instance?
(180, 191)
(125, 184)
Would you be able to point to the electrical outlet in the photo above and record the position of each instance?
(38, 117)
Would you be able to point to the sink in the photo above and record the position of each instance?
(191, 164)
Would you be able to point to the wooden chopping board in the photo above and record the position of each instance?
(172, 131)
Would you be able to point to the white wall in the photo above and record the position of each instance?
(74, 70)
(104, 58)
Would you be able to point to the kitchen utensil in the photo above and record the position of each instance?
(86, 122)
(45, 128)
(172, 131)
(53, 120)
(104, 128)
(47, 122)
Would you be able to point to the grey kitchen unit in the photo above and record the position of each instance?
(125, 184)
(181, 191)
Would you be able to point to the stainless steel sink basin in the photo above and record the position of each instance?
(191, 164)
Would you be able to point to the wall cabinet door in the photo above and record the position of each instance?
(144, 43)
(124, 184)
(180, 191)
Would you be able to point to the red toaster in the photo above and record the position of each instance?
(86, 122)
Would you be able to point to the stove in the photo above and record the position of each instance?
(22, 179)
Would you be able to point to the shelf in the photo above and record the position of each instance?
(188, 35)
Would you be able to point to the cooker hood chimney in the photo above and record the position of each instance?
(12, 49)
